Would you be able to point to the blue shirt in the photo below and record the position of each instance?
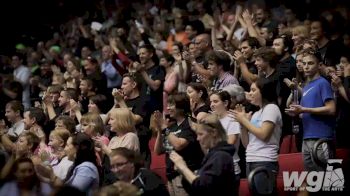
(114, 79)
(85, 177)
(11, 188)
(315, 94)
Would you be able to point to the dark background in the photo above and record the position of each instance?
(28, 21)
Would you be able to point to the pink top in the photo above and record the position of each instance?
(170, 84)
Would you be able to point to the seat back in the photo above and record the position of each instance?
(288, 145)
(290, 162)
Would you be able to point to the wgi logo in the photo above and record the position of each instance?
(330, 180)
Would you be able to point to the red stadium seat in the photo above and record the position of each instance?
(158, 162)
(244, 188)
(288, 145)
(290, 162)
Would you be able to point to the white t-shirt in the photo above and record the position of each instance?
(61, 169)
(232, 127)
(16, 129)
(258, 150)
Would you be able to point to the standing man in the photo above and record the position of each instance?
(246, 62)
(317, 110)
(130, 97)
(286, 68)
(219, 64)
(153, 77)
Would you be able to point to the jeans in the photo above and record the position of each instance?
(260, 179)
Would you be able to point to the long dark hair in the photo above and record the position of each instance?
(224, 96)
(34, 181)
(268, 91)
(85, 151)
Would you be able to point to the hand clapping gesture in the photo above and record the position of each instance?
(239, 114)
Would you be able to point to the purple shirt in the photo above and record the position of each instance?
(225, 80)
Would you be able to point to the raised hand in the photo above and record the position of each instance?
(55, 69)
(74, 105)
(238, 56)
(187, 56)
(118, 94)
(336, 82)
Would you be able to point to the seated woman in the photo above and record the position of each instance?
(84, 173)
(25, 146)
(217, 173)
(93, 126)
(126, 165)
(22, 180)
(59, 162)
(97, 104)
(261, 132)
(122, 122)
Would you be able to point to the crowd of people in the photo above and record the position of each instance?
(217, 84)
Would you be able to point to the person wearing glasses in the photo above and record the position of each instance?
(127, 166)
(216, 174)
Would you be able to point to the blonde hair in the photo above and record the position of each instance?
(302, 30)
(211, 124)
(124, 119)
(59, 77)
(62, 133)
(94, 119)
(119, 189)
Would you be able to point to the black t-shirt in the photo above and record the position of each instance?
(285, 69)
(192, 153)
(274, 78)
(149, 183)
(205, 108)
(84, 104)
(138, 106)
(252, 69)
(332, 52)
(153, 98)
